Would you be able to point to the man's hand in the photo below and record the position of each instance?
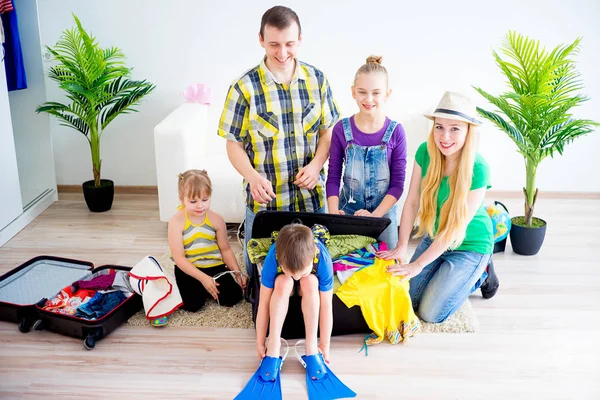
(308, 177)
(261, 189)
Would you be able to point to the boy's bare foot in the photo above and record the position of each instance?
(311, 347)
(273, 347)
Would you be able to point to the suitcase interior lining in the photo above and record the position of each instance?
(41, 279)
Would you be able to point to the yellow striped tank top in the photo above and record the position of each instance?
(200, 243)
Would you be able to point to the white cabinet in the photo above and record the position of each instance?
(27, 177)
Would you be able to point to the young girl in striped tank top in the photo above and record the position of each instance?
(205, 264)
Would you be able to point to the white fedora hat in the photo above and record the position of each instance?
(455, 106)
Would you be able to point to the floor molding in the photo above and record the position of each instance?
(491, 193)
(511, 194)
(118, 189)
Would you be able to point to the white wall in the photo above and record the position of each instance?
(428, 48)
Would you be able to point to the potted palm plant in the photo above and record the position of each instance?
(96, 81)
(536, 113)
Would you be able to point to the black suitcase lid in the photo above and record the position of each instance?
(41, 277)
(266, 222)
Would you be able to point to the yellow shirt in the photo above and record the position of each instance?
(384, 301)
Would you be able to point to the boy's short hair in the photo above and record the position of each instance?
(279, 17)
(295, 247)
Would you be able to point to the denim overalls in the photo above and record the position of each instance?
(367, 179)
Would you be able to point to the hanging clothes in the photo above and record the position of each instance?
(13, 56)
(384, 301)
(6, 6)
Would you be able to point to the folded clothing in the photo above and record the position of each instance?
(337, 245)
(384, 301)
(67, 300)
(100, 305)
(358, 258)
(99, 282)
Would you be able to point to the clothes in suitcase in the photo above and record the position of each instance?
(345, 320)
(68, 297)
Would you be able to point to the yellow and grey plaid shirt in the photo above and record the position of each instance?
(279, 125)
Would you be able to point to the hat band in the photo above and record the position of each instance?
(465, 116)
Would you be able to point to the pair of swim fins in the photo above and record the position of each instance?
(321, 383)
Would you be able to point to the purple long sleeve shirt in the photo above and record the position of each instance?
(396, 153)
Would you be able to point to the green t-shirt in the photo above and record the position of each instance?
(479, 236)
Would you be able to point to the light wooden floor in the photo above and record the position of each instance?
(539, 337)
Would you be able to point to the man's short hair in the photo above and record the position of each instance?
(279, 17)
(295, 247)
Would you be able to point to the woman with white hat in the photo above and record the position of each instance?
(446, 193)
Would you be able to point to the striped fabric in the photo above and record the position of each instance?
(279, 125)
(359, 258)
(6, 6)
(200, 244)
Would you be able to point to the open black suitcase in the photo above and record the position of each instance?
(25, 289)
(345, 320)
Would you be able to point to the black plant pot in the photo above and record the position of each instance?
(99, 199)
(527, 241)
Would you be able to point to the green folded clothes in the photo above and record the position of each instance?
(344, 244)
(338, 246)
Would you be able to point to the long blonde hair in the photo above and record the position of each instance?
(453, 215)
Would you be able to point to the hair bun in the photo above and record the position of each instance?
(374, 60)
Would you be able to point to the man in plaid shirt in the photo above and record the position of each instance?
(277, 120)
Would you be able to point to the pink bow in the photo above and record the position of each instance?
(197, 93)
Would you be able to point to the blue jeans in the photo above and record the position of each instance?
(248, 222)
(444, 285)
(390, 234)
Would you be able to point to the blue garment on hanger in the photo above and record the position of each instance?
(13, 56)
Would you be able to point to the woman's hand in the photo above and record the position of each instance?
(398, 253)
(363, 213)
(407, 271)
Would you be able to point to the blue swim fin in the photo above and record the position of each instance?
(321, 383)
(266, 381)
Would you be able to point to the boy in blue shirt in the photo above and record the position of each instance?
(296, 256)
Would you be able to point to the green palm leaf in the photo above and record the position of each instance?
(96, 82)
(536, 113)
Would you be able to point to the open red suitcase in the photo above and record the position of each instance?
(25, 289)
